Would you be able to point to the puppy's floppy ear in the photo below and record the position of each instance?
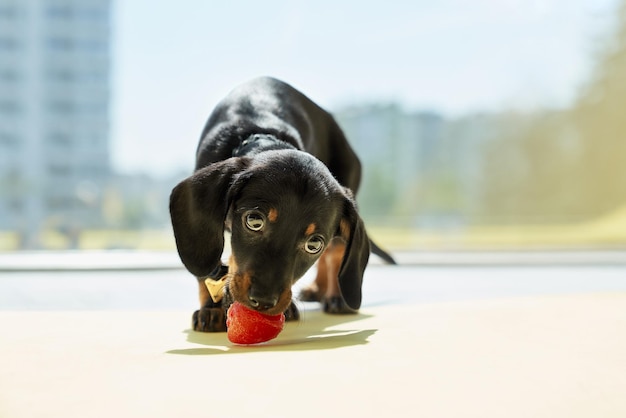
(355, 259)
(198, 208)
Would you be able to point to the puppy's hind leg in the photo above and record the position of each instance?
(325, 287)
(315, 291)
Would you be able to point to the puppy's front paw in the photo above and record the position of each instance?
(209, 320)
(292, 313)
(336, 305)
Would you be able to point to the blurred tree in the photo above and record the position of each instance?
(564, 166)
(601, 117)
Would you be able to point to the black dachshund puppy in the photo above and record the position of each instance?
(275, 170)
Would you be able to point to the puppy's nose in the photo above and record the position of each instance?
(262, 302)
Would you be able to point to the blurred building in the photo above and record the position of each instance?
(54, 114)
(397, 149)
(419, 168)
(388, 144)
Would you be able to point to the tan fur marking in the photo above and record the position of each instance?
(310, 229)
(272, 215)
(232, 264)
(283, 303)
(239, 285)
(344, 229)
(203, 293)
(321, 279)
(335, 256)
(326, 283)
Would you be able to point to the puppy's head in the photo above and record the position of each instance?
(283, 209)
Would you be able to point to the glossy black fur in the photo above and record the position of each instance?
(268, 149)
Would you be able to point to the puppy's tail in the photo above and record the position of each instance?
(384, 255)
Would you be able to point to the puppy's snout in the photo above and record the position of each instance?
(261, 301)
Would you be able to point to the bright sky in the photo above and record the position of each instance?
(173, 61)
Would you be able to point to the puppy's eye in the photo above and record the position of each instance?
(314, 245)
(254, 221)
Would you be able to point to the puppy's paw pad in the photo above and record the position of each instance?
(209, 320)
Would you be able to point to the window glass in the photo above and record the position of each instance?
(480, 125)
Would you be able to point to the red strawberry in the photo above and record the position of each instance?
(246, 326)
